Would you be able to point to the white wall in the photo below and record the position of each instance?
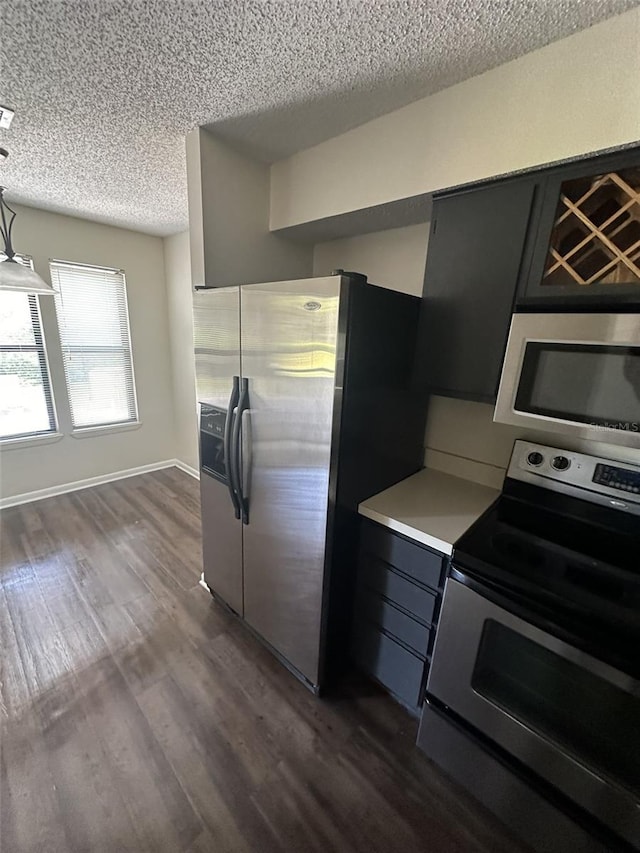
(575, 96)
(180, 306)
(393, 259)
(49, 235)
(463, 440)
(229, 218)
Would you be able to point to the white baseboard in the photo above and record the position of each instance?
(52, 491)
(192, 472)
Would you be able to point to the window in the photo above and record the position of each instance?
(91, 303)
(26, 401)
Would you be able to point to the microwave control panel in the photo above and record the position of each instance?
(617, 478)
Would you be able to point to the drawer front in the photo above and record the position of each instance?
(419, 563)
(372, 607)
(389, 663)
(375, 575)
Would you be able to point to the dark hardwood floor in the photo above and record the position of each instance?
(137, 715)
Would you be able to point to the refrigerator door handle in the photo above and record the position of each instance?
(243, 405)
(228, 444)
(245, 459)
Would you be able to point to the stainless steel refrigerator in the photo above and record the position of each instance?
(307, 407)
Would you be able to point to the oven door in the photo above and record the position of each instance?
(570, 718)
(573, 374)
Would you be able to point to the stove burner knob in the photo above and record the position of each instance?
(560, 463)
(535, 458)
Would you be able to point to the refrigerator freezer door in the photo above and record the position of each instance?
(221, 543)
(217, 354)
(290, 355)
(216, 328)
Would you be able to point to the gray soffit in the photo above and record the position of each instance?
(105, 90)
(379, 217)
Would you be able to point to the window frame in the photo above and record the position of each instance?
(37, 436)
(126, 348)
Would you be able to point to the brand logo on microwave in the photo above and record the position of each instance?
(632, 426)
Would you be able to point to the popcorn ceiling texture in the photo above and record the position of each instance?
(105, 90)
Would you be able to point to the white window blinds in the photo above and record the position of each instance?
(91, 303)
(26, 401)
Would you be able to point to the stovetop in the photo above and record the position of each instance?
(574, 561)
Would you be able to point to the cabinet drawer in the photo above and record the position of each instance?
(372, 607)
(417, 562)
(389, 663)
(376, 575)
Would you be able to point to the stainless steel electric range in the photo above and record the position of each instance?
(536, 666)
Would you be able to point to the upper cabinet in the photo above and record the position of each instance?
(587, 245)
(476, 249)
(563, 238)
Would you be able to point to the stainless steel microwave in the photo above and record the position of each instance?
(573, 374)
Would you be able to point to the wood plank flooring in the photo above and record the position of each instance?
(137, 715)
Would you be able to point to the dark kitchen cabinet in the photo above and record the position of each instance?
(587, 240)
(475, 257)
(399, 587)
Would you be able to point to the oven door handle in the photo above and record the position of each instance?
(227, 444)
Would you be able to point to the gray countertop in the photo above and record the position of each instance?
(430, 507)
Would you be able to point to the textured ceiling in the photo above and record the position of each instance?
(105, 90)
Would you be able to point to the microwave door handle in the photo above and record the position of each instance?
(243, 406)
(227, 445)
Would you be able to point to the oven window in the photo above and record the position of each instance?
(582, 713)
(585, 383)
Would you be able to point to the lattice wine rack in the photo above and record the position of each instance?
(596, 235)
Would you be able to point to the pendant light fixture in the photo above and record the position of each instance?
(14, 275)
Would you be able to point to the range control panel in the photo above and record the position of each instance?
(617, 478)
(605, 481)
